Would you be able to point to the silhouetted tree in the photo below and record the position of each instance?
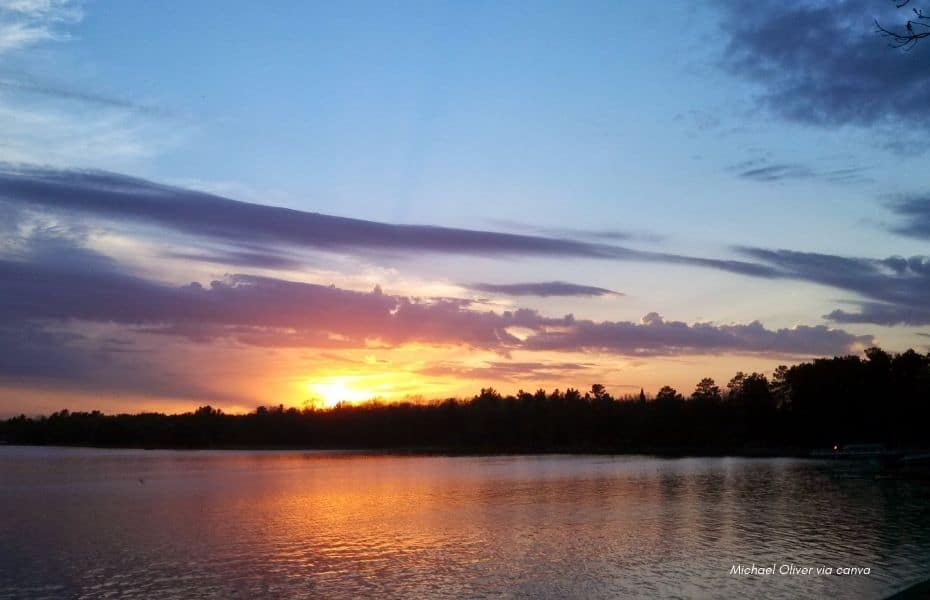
(879, 398)
(706, 392)
(779, 386)
(735, 385)
(668, 395)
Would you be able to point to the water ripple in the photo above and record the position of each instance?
(79, 524)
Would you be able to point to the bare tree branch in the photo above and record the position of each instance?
(908, 37)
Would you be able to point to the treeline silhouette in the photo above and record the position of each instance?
(878, 398)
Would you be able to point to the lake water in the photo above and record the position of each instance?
(82, 523)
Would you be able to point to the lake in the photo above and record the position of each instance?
(86, 523)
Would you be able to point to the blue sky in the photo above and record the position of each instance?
(688, 130)
(457, 113)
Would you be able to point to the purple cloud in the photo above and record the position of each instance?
(215, 218)
(272, 312)
(897, 289)
(656, 336)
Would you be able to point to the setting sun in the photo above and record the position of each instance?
(331, 391)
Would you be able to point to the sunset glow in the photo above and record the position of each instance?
(351, 389)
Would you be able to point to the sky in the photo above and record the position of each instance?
(240, 204)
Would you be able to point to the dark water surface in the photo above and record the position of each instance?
(81, 523)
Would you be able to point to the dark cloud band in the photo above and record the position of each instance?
(914, 212)
(897, 289)
(543, 289)
(131, 200)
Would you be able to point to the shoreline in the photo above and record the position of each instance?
(453, 451)
(897, 461)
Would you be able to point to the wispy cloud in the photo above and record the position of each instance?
(601, 234)
(24, 23)
(29, 85)
(533, 372)
(766, 171)
(55, 123)
(50, 135)
(543, 289)
(262, 259)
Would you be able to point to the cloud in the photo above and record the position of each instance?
(210, 216)
(24, 23)
(897, 288)
(610, 235)
(883, 314)
(53, 354)
(656, 336)
(915, 214)
(28, 85)
(262, 234)
(533, 372)
(41, 352)
(58, 123)
(58, 296)
(822, 62)
(201, 214)
(252, 310)
(242, 258)
(90, 135)
(765, 171)
(263, 311)
(543, 289)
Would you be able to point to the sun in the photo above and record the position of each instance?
(333, 390)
